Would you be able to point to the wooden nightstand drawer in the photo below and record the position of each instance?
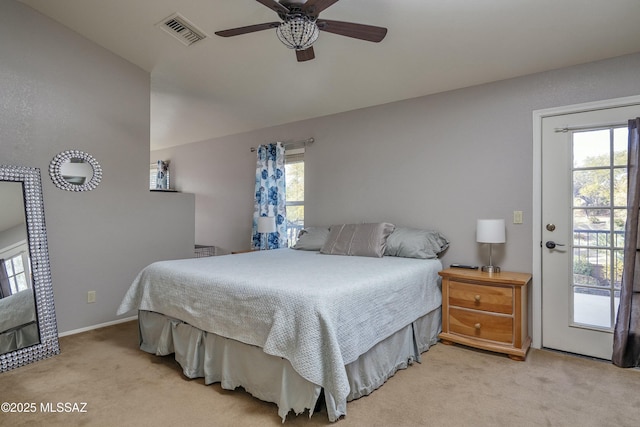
(481, 325)
(494, 299)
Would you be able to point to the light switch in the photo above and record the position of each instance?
(517, 217)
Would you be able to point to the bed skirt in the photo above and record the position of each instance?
(20, 337)
(272, 379)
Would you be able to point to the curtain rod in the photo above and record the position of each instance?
(296, 144)
(599, 127)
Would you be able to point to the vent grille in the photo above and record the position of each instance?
(180, 28)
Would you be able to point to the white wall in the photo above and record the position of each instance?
(60, 92)
(221, 174)
(439, 161)
(12, 236)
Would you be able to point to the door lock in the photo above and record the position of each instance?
(551, 244)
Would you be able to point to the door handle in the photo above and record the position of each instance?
(551, 244)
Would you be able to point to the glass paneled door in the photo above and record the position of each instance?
(598, 218)
(584, 189)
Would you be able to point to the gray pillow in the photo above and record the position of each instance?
(358, 239)
(415, 243)
(311, 238)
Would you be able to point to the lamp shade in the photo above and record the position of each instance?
(266, 224)
(490, 231)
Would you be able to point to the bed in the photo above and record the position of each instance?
(288, 325)
(18, 325)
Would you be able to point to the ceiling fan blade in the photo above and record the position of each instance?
(314, 7)
(247, 29)
(305, 55)
(350, 29)
(274, 5)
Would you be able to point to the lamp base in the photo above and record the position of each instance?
(491, 269)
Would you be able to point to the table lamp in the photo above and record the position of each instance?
(266, 225)
(490, 231)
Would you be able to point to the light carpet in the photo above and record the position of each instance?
(453, 386)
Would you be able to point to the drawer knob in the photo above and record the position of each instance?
(477, 298)
(477, 326)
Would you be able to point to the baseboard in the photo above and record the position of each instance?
(101, 325)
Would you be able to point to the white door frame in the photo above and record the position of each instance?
(536, 216)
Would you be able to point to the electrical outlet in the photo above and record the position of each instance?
(517, 217)
(91, 297)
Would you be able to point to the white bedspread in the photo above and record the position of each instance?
(320, 312)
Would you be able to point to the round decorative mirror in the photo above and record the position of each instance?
(74, 170)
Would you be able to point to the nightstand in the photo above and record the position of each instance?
(486, 310)
(244, 251)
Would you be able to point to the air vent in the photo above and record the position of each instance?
(180, 28)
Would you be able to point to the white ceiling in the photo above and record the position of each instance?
(222, 86)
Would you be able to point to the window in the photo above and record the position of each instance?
(17, 274)
(599, 216)
(294, 175)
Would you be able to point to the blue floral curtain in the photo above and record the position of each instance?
(270, 196)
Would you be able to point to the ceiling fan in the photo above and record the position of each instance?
(300, 26)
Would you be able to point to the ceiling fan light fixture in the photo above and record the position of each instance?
(298, 32)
